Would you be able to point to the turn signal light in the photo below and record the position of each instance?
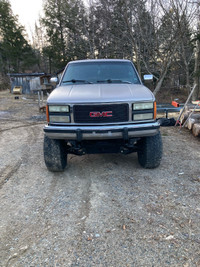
(155, 111)
(47, 113)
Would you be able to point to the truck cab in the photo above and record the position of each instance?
(101, 106)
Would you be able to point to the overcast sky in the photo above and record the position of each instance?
(28, 12)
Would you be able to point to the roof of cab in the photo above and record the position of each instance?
(99, 60)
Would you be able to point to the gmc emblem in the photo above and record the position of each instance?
(96, 114)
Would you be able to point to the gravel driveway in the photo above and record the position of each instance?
(104, 210)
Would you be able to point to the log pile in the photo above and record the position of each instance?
(191, 120)
(196, 129)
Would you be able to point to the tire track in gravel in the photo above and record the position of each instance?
(93, 195)
(48, 208)
(9, 170)
(29, 138)
(22, 126)
(84, 210)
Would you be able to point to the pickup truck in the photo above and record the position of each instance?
(101, 106)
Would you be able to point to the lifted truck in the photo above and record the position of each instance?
(101, 106)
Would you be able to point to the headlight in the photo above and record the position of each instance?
(141, 106)
(59, 119)
(58, 108)
(145, 116)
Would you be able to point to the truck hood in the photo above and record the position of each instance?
(96, 93)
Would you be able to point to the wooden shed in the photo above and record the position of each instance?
(30, 82)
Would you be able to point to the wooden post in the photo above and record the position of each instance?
(39, 99)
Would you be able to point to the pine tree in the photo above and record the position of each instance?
(64, 21)
(16, 53)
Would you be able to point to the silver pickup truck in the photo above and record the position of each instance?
(101, 106)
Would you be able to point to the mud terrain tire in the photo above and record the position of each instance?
(55, 155)
(150, 151)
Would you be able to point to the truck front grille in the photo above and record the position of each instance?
(101, 113)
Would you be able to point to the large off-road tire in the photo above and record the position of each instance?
(150, 151)
(55, 155)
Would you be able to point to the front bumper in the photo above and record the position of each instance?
(80, 133)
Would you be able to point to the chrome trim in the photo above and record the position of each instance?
(103, 132)
(130, 121)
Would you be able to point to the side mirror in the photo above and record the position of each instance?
(148, 77)
(54, 80)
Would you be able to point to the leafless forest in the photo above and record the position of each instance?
(161, 37)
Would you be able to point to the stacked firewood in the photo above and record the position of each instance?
(191, 119)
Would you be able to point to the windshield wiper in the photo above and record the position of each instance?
(113, 81)
(76, 81)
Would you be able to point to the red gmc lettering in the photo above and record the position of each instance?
(95, 114)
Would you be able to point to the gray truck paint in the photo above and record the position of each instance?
(98, 93)
(71, 94)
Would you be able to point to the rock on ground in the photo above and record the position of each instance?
(104, 210)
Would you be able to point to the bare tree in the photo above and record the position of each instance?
(197, 56)
(173, 37)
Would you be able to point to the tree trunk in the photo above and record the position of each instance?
(138, 61)
(197, 68)
(187, 72)
(159, 84)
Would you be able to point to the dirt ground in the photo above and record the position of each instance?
(104, 210)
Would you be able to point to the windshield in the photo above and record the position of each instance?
(100, 72)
